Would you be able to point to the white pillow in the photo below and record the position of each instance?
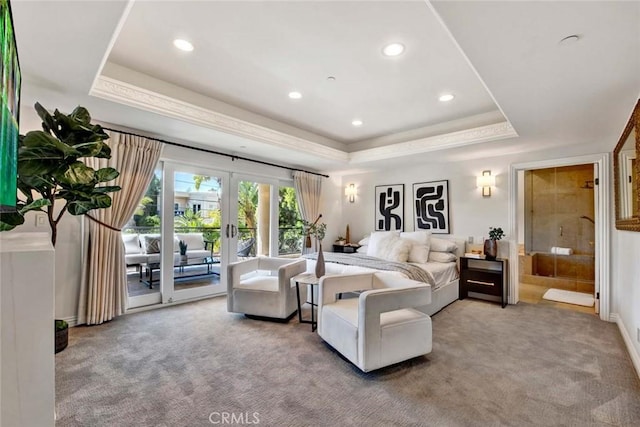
(393, 249)
(442, 257)
(364, 241)
(419, 245)
(131, 244)
(442, 245)
(194, 241)
(362, 249)
(379, 236)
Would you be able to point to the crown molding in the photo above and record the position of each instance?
(461, 138)
(125, 93)
(135, 96)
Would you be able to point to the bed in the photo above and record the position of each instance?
(442, 276)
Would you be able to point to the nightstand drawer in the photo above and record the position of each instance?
(484, 282)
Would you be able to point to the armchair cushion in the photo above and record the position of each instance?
(259, 283)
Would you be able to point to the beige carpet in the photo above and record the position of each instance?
(522, 365)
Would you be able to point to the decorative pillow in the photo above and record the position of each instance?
(442, 245)
(362, 249)
(377, 237)
(151, 243)
(131, 244)
(442, 257)
(419, 245)
(194, 241)
(364, 241)
(392, 248)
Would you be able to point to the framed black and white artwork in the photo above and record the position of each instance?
(389, 207)
(431, 206)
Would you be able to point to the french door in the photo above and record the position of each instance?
(253, 216)
(194, 221)
(195, 216)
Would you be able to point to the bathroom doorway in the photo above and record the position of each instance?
(557, 242)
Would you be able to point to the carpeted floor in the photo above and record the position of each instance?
(191, 364)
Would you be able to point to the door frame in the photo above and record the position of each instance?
(167, 290)
(602, 219)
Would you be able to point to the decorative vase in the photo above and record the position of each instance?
(184, 258)
(320, 262)
(490, 249)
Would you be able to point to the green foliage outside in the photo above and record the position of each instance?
(289, 239)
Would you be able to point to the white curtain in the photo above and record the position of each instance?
(308, 188)
(103, 293)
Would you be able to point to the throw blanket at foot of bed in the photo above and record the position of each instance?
(360, 260)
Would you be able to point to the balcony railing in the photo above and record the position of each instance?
(289, 238)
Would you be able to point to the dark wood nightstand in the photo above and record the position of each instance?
(345, 249)
(483, 276)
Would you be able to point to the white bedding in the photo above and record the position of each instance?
(442, 272)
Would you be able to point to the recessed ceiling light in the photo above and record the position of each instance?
(446, 97)
(183, 45)
(331, 78)
(295, 95)
(357, 123)
(570, 39)
(393, 49)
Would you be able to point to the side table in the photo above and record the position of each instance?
(484, 276)
(307, 279)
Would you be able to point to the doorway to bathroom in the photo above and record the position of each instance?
(557, 249)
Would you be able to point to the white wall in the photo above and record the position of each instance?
(625, 248)
(470, 214)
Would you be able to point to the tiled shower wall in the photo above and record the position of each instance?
(555, 201)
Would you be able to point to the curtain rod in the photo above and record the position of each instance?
(232, 156)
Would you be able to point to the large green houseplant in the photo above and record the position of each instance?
(50, 171)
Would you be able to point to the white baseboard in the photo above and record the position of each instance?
(72, 321)
(635, 357)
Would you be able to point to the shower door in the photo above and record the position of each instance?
(560, 225)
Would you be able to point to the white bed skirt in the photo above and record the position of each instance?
(442, 297)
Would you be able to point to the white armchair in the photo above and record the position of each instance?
(261, 287)
(380, 327)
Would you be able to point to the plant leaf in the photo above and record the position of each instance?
(80, 207)
(35, 205)
(107, 189)
(10, 220)
(48, 124)
(81, 115)
(37, 139)
(106, 174)
(77, 173)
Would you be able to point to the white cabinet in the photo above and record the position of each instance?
(27, 362)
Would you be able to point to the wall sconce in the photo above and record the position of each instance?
(486, 181)
(350, 192)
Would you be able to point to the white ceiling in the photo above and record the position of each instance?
(517, 89)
